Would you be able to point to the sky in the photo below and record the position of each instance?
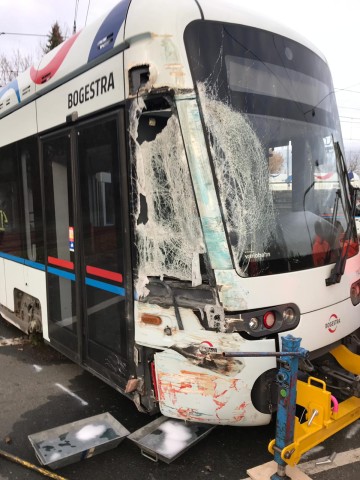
(333, 27)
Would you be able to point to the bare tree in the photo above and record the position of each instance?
(276, 162)
(11, 67)
(354, 162)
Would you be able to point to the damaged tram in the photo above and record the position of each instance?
(174, 189)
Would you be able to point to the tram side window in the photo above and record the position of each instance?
(10, 210)
(30, 180)
(20, 201)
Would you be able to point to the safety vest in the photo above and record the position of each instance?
(3, 220)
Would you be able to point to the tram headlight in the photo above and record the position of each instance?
(289, 316)
(254, 323)
(263, 322)
(355, 293)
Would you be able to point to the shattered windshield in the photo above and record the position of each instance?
(271, 119)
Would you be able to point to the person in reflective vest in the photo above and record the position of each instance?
(3, 223)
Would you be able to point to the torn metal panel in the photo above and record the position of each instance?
(168, 231)
(162, 44)
(203, 182)
(189, 392)
(233, 296)
(167, 333)
(163, 293)
(198, 346)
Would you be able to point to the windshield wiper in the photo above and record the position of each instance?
(339, 267)
(336, 206)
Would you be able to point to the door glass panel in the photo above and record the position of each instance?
(28, 154)
(60, 252)
(103, 251)
(10, 211)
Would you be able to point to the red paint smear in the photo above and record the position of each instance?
(219, 404)
(190, 414)
(153, 376)
(195, 374)
(43, 75)
(238, 418)
(185, 385)
(234, 384)
(220, 394)
(185, 412)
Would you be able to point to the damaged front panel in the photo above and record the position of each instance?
(205, 388)
(177, 313)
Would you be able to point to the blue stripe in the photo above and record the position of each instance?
(23, 261)
(69, 276)
(111, 25)
(12, 86)
(61, 273)
(105, 286)
(12, 258)
(38, 266)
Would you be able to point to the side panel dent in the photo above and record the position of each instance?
(192, 393)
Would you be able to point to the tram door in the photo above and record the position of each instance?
(85, 246)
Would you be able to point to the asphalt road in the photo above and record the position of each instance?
(40, 389)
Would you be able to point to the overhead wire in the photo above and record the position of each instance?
(75, 15)
(87, 13)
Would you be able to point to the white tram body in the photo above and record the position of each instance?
(141, 60)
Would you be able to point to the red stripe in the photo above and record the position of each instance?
(325, 176)
(61, 263)
(43, 75)
(99, 272)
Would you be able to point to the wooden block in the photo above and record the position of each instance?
(264, 472)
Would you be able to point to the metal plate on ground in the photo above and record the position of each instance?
(167, 438)
(77, 441)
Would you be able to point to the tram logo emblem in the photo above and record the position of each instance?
(206, 347)
(333, 322)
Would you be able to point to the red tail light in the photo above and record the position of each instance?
(269, 319)
(355, 293)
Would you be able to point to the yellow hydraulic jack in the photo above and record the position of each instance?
(324, 415)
